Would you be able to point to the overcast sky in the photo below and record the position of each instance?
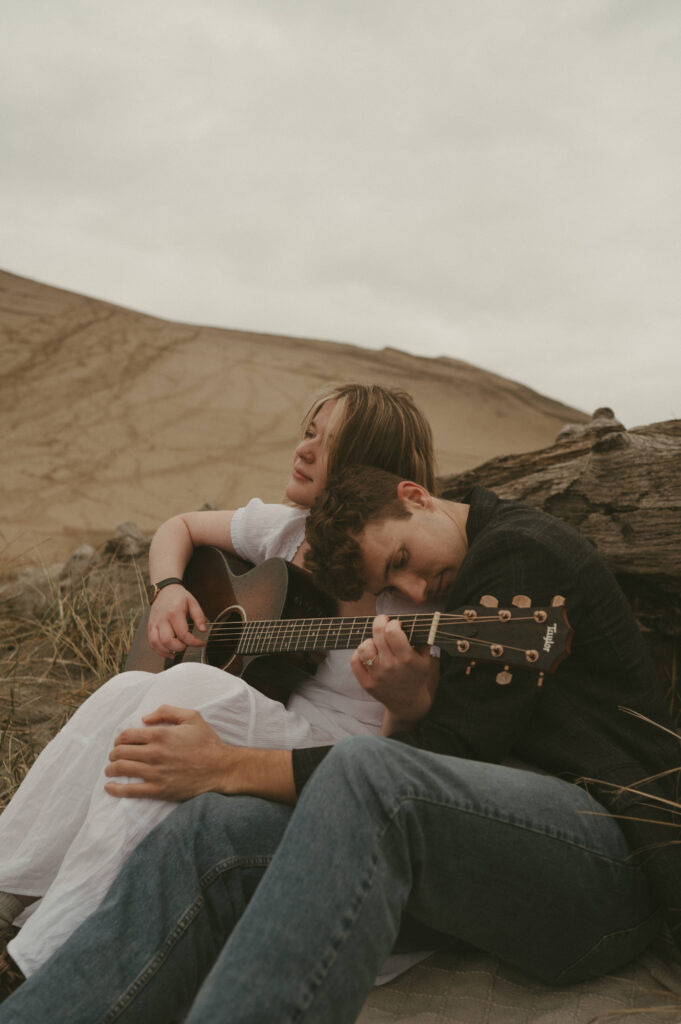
(492, 180)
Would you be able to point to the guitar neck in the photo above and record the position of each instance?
(283, 635)
(519, 635)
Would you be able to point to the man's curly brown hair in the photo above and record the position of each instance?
(353, 497)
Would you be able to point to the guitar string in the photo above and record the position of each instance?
(346, 634)
(352, 623)
(338, 634)
(277, 629)
(471, 641)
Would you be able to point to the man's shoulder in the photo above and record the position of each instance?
(492, 515)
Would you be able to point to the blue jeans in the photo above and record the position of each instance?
(505, 860)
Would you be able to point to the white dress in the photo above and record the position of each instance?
(64, 838)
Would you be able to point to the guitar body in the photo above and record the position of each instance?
(229, 590)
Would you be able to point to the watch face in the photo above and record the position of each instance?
(152, 591)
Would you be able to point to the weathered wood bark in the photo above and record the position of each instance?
(621, 489)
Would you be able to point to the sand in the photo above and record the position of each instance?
(109, 415)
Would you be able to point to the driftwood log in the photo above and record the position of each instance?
(622, 490)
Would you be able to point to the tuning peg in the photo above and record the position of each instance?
(469, 667)
(540, 680)
(521, 601)
(557, 601)
(489, 601)
(505, 677)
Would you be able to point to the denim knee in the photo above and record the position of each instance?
(201, 813)
(362, 768)
(194, 830)
(358, 755)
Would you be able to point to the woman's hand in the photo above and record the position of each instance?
(403, 678)
(168, 630)
(171, 548)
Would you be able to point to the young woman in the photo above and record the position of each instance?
(66, 833)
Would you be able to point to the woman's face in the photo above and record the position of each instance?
(308, 478)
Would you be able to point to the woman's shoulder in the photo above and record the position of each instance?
(262, 530)
(272, 510)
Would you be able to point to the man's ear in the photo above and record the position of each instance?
(413, 495)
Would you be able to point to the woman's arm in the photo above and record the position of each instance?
(169, 554)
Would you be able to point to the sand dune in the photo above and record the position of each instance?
(108, 415)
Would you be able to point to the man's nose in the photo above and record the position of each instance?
(415, 588)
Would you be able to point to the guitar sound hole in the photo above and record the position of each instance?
(223, 639)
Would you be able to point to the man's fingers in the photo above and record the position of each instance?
(134, 755)
(133, 789)
(367, 652)
(370, 649)
(170, 715)
(139, 736)
(396, 639)
(166, 714)
(388, 636)
(135, 769)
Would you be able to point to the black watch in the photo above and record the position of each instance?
(153, 588)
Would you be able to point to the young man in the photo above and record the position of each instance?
(599, 720)
(429, 824)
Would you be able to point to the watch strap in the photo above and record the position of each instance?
(156, 587)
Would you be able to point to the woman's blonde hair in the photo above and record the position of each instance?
(377, 426)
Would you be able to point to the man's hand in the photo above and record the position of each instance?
(167, 629)
(401, 677)
(178, 755)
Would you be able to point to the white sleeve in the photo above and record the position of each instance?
(262, 531)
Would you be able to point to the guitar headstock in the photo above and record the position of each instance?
(519, 635)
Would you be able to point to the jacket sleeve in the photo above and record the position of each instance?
(305, 760)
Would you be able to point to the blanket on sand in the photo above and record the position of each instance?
(472, 988)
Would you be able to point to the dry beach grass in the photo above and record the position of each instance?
(51, 663)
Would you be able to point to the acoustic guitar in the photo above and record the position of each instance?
(269, 624)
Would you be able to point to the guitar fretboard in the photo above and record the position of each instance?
(282, 635)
